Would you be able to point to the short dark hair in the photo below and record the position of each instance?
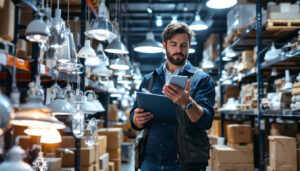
(175, 28)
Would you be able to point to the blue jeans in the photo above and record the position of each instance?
(148, 166)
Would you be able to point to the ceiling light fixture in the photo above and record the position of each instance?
(221, 4)
(149, 45)
(192, 50)
(87, 51)
(37, 30)
(116, 47)
(119, 64)
(229, 52)
(149, 10)
(174, 19)
(198, 24)
(101, 28)
(159, 21)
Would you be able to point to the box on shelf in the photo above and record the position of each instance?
(247, 56)
(282, 152)
(53, 163)
(2, 3)
(114, 137)
(103, 161)
(223, 154)
(21, 49)
(7, 21)
(117, 164)
(69, 142)
(296, 91)
(113, 112)
(87, 168)
(87, 157)
(241, 146)
(111, 166)
(239, 133)
(285, 129)
(97, 150)
(114, 153)
(232, 167)
(211, 46)
(213, 140)
(102, 140)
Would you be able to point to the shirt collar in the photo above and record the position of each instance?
(188, 67)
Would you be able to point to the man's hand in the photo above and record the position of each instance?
(140, 117)
(177, 95)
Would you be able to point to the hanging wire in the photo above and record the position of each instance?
(68, 17)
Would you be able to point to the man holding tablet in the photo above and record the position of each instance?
(183, 146)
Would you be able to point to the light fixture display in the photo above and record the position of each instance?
(116, 47)
(102, 71)
(159, 21)
(101, 28)
(198, 24)
(149, 45)
(87, 51)
(174, 19)
(40, 163)
(51, 136)
(191, 50)
(229, 52)
(119, 64)
(221, 4)
(78, 122)
(37, 30)
(6, 110)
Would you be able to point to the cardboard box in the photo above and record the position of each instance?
(285, 129)
(7, 21)
(233, 156)
(238, 133)
(114, 137)
(211, 46)
(213, 139)
(247, 56)
(296, 84)
(69, 142)
(111, 166)
(102, 140)
(296, 91)
(103, 161)
(2, 3)
(21, 49)
(114, 153)
(54, 164)
(241, 146)
(97, 150)
(87, 168)
(282, 151)
(283, 168)
(233, 167)
(113, 112)
(117, 164)
(87, 157)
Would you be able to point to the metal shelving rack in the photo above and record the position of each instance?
(283, 60)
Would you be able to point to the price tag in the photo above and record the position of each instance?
(3, 60)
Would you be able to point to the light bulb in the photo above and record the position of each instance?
(91, 132)
(78, 123)
(40, 164)
(51, 136)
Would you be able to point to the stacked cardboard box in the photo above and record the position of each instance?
(113, 112)
(211, 46)
(114, 140)
(285, 129)
(283, 153)
(246, 61)
(283, 11)
(104, 162)
(7, 15)
(296, 88)
(111, 166)
(250, 95)
(239, 153)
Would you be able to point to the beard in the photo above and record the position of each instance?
(176, 61)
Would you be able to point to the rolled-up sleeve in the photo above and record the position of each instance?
(204, 95)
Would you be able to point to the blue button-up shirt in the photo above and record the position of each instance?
(160, 145)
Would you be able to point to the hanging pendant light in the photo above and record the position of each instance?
(101, 28)
(117, 47)
(51, 136)
(61, 107)
(221, 4)
(78, 122)
(15, 162)
(6, 110)
(37, 30)
(149, 45)
(102, 71)
(87, 51)
(119, 64)
(100, 60)
(198, 24)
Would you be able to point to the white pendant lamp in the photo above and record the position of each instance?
(37, 30)
(101, 28)
(198, 24)
(116, 47)
(15, 162)
(102, 71)
(87, 51)
(119, 64)
(61, 107)
(6, 110)
(220, 4)
(51, 136)
(149, 45)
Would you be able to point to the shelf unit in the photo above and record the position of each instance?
(257, 34)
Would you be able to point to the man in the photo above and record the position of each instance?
(165, 147)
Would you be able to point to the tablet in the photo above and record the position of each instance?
(179, 81)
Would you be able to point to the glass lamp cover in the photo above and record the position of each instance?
(78, 122)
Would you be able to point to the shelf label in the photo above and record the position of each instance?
(42, 69)
(3, 60)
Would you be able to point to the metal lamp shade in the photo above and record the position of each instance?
(101, 29)
(92, 62)
(220, 4)
(87, 51)
(198, 24)
(119, 64)
(117, 47)
(36, 119)
(6, 110)
(149, 45)
(51, 136)
(37, 31)
(102, 71)
(15, 162)
(61, 107)
(33, 104)
(99, 106)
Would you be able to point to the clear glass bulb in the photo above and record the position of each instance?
(40, 164)
(78, 122)
(91, 132)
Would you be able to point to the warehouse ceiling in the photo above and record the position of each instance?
(134, 22)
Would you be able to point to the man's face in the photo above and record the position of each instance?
(177, 48)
